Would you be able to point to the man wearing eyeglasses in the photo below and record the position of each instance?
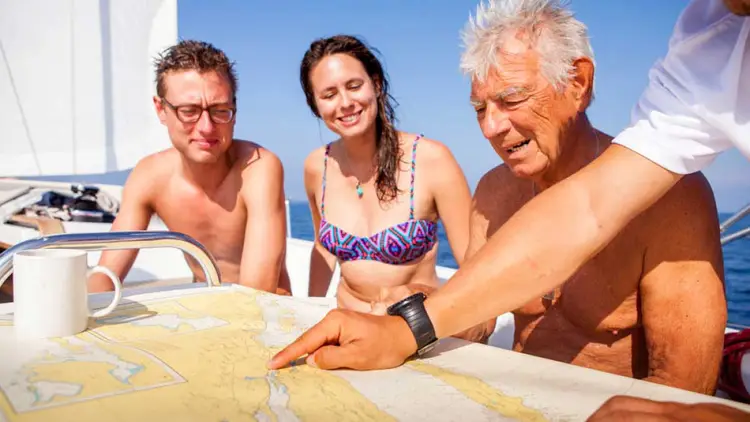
(225, 193)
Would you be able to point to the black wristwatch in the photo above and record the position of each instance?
(413, 312)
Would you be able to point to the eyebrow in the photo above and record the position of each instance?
(512, 90)
(198, 103)
(507, 92)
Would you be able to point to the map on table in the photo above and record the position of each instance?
(201, 355)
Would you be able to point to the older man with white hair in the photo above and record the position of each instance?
(695, 107)
(651, 303)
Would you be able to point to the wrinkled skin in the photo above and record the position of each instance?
(618, 312)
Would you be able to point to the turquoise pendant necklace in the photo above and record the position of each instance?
(359, 189)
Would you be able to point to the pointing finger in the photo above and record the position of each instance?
(325, 332)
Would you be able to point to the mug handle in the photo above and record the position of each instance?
(118, 293)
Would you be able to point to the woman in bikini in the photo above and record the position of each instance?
(376, 194)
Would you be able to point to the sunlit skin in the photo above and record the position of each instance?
(343, 89)
(514, 105)
(738, 7)
(346, 98)
(636, 409)
(546, 245)
(204, 142)
(225, 193)
(615, 314)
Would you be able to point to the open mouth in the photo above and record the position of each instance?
(351, 118)
(519, 146)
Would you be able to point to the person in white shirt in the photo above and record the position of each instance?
(697, 104)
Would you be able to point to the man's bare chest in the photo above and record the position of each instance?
(602, 296)
(216, 222)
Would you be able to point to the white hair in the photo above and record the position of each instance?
(547, 25)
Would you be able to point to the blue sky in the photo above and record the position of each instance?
(419, 43)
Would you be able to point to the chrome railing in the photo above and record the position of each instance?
(117, 240)
(731, 221)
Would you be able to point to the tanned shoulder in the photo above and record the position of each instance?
(152, 172)
(256, 162)
(429, 150)
(498, 195)
(690, 200)
(313, 167)
(684, 223)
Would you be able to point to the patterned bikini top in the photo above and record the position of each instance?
(398, 244)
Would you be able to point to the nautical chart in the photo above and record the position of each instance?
(201, 355)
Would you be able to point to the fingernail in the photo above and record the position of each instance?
(311, 361)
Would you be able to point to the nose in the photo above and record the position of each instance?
(204, 123)
(494, 122)
(346, 100)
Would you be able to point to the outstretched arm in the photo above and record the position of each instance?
(539, 248)
(544, 243)
(265, 233)
(135, 214)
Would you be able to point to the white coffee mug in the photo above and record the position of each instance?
(50, 293)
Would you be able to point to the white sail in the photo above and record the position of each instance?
(76, 82)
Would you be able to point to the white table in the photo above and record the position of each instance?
(460, 380)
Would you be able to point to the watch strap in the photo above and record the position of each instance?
(412, 310)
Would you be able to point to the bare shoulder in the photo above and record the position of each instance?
(429, 151)
(687, 211)
(691, 196)
(499, 185)
(252, 159)
(153, 170)
(498, 195)
(314, 163)
(158, 164)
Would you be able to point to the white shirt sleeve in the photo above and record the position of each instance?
(686, 115)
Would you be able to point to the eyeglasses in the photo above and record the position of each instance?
(191, 113)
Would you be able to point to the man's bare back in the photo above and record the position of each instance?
(650, 305)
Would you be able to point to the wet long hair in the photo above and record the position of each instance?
(388, 150)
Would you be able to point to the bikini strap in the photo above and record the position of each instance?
(323, 192)
(413, 171)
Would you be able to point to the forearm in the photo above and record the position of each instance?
(118, 262)
(532, 253)
(544, 243)
(261, 273)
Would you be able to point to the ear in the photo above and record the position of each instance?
(160, 112)
(582, 83)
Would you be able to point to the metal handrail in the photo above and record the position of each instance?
(117, 240)
(730, 222)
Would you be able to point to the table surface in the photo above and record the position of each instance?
(190, 352)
